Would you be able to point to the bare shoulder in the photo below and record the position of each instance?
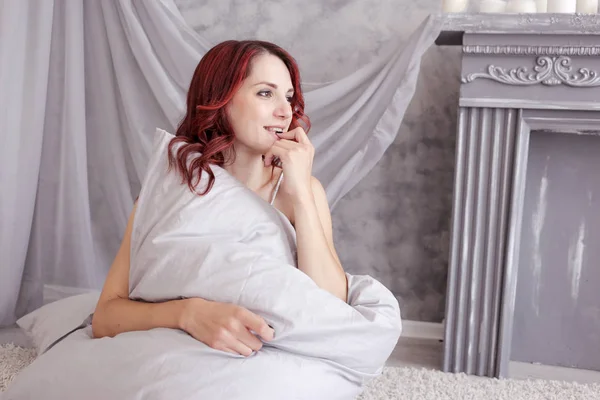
(318, 190)
(322, 204)
(284, 204)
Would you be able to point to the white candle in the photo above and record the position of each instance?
(587, 6)
(521, 6)
(542, 6)
(492, 6)
(455, 6)
(562, 6)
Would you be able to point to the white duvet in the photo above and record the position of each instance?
(227, 246)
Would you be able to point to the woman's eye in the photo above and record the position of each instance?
(268, 93)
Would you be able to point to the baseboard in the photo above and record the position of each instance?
(522, 370)
(422, 330)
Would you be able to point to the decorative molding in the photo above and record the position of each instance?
(520, 23)
(514, 102)
(550, 71)
(585, 22)
(516, 50)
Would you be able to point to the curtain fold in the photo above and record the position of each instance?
(83, 88)
(23, 87)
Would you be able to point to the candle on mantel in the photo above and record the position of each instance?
(562, 6)
(521, 6)
(541, 5)
(587, 6)
(492, 6)
(455, 6)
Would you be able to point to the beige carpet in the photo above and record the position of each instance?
(422, 384)
(12, 360)
(401, 384)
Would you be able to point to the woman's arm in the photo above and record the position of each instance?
(312, 219)
(316, 253)
(222, 326)
(115, 313)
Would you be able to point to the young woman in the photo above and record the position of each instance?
(227, 284)
(245, 113)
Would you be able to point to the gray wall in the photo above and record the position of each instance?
(394, 225)
(557, 309)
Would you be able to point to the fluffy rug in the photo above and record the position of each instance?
(400, 384)
(12, 360)
(423, 384)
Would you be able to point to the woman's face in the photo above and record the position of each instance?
(262, 105)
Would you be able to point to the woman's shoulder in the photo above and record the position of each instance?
(285, 204)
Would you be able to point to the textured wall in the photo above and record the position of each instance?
(394, 224)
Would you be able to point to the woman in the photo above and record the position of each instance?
(244, 114)
(230, 236)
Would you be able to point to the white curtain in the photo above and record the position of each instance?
(84, 84)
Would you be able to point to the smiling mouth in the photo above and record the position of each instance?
(275, 130)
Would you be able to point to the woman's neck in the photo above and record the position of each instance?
(250, 170)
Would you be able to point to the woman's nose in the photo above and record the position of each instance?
(284, 110)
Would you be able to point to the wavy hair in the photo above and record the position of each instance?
(205, 129)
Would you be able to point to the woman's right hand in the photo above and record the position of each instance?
(224, 326)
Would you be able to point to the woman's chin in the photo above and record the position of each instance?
(264, 148)
(256, 149)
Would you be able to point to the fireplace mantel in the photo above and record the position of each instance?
(456, 25)
(520, 74)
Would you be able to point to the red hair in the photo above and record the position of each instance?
(205, 129)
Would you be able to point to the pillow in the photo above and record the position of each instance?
(51, 322)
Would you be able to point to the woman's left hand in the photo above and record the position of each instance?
(294, 153)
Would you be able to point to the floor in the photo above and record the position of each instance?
(428, 353)
(412, 352)
(14, 335)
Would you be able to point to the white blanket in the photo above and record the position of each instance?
(227, 246)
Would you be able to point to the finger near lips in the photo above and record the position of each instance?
(286, 144)
(279, 150)
(289, 135)
(296, 134)
(288, 141)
